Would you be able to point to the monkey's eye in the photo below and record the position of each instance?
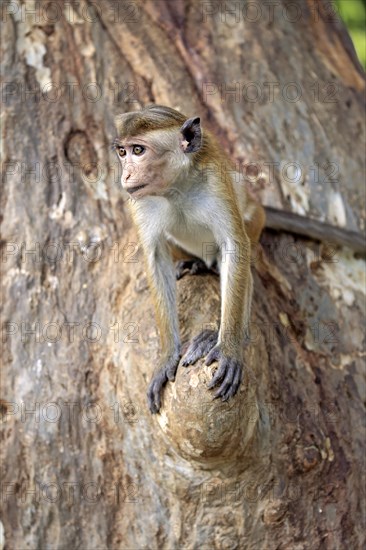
(121, 151)
(138, 149)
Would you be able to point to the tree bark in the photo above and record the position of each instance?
(84, 464)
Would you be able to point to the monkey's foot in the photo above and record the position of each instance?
(158, 381)
(200, 346)
(228, 374)
(193, 267)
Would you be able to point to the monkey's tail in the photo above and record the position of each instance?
(280, 220)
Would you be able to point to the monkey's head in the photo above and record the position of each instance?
(154, 147)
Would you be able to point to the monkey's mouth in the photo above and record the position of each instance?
(133, 190)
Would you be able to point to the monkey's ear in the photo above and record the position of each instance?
(192, 135)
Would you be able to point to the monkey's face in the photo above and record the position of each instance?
(155, 160)
(151, 162)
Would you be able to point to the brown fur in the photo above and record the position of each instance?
(152, 117)
(160, 117)
(231, 205)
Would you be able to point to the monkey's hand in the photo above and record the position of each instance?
(228, 374)
(200, 346)
(158, 381)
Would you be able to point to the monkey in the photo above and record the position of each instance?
(186, 201)
(184, 196)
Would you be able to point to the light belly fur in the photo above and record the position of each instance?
(199, 243)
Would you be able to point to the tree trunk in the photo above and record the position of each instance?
(84, 464)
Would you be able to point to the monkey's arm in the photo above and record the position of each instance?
(236, 295)
(300, 225)
(161, 276)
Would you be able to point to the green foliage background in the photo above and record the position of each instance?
(353, 13)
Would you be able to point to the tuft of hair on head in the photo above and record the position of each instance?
(151, 117)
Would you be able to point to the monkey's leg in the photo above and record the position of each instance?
(254, 225)
(200, 346)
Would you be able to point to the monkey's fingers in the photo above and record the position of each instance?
(181, 267)
(171, 366)
(235, 385)
(228, 375)
(200, 346)
(219, 374)
(229, 389)
(155, 389)
(193, 267)
(214, 355)
(199, 266)
(153, 400)
(228, 368)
